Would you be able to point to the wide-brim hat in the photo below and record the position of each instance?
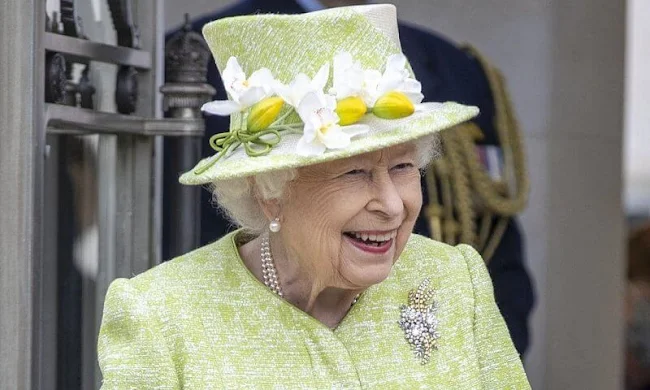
(292, 111)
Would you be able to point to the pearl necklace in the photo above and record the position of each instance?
(270, 273)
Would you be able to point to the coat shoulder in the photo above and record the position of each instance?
(424, 255)
(183, 272)
(422, 243)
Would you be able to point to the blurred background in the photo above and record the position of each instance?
(578, 74)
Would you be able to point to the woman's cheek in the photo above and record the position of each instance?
(412, 197)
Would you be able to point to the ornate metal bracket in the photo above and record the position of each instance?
(55, 67)
(59, 86)
(86, 90)
(128, 34)
(126, 88)
(55, 78)
(71, 22)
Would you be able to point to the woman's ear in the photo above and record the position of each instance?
(271, 208)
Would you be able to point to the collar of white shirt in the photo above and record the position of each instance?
(313, 5)
(310, 5)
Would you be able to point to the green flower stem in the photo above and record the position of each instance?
(254, 144)
(283, 117)
(295, 128)
(243, 121)
(216, 157)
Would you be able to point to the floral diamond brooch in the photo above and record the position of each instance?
(419, 322)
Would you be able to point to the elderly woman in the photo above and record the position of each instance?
(324, 285)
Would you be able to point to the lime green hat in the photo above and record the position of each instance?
(310, 88)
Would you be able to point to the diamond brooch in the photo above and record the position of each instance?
(419, 322)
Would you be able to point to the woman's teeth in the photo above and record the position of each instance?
(376, 238)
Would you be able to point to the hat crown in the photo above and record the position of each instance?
(291, 44)
(382, 16)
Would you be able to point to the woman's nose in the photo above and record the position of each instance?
(386, 197)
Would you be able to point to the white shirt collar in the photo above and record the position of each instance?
(311, 5)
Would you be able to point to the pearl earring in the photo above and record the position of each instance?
(275, 226)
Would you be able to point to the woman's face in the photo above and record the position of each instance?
(347, 221)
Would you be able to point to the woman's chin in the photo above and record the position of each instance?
(368, 276)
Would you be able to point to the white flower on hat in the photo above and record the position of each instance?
(244, 92)
(301, 85)
(396, 78)
(322, 130)
(348, 76)
(351, 80)
(391, 95)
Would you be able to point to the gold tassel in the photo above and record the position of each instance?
(460, 188)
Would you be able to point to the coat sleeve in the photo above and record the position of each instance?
(500, 365)
(131, 350)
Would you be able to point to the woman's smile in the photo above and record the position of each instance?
(372, 241)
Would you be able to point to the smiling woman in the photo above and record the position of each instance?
(324, 285)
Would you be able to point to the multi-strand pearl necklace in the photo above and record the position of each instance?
(270, 273)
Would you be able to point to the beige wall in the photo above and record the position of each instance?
(564, 64)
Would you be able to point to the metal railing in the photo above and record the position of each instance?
(41, 110)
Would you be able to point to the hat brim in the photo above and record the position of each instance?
(430, 118)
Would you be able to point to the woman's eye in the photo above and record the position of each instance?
(402, 166)
(355, 172)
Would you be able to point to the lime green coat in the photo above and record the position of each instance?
(203, 321)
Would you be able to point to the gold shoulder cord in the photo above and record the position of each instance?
(461, 192)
